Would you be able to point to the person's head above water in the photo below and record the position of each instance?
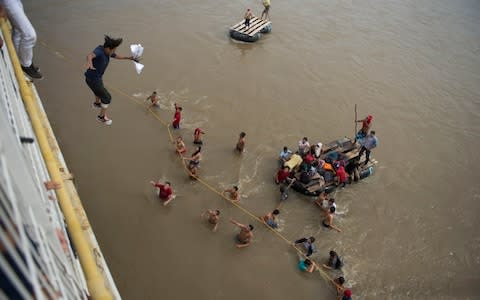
(333, 253)
(332, 209)
(250, 227)
(311, 239)
(285, 148)
(276, 212)
(217, 212)
(242, 134)
(235, 188)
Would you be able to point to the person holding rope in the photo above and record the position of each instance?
(271, 218)
(328, 221)
(153, 99)
(181, 149)
(233, 193)
(194, 161)
(306, 265)
(307, 244)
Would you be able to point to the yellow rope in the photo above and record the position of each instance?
(202, 181)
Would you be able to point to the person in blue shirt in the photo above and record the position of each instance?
(307, 244)
(306, 265)
(97, 63)
(284, 155)
(370, 142)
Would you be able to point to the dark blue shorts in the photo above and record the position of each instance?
(99, 90)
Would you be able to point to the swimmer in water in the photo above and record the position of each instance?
(233, 193)
(213, 217)
(328, 221)
(180, 146)
(271, 218)
(153, 99)
(306, 265)
(245, 236)
(241, 143)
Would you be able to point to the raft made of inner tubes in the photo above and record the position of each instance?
(343, 149)
(251, 33)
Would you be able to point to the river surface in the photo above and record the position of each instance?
(410, 231)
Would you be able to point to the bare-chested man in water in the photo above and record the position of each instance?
(233, 193)
(213, 217)
(245, 236)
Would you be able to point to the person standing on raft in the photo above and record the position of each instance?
(266, 4)
(248, 17)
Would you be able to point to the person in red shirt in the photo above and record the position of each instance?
(197, 136)
(177, 117)
(282, 175)
(165, 191)
(366, 124)
(341, 175)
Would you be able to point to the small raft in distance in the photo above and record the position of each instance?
(251, 34)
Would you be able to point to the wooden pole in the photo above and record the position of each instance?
(355, 133)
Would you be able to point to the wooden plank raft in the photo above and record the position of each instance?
(256, 25)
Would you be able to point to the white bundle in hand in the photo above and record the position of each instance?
(137, 51)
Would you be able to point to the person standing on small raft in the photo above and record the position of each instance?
(248, 17)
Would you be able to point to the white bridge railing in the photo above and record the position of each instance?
(38, 261)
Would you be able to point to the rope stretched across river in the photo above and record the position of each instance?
(198, 178)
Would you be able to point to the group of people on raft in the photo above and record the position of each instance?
(309, 162)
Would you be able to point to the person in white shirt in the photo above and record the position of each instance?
(303, 146)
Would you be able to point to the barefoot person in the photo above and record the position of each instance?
(271, 218)
(233, 193)
(306, 265)
(181, 149)
(338, 283)
(245, 236)
(177, 117)
(197, 136)
(153, 99)
(248, 17)
(307, 244)
(366, 124)
(165, 191)
(241, 142)
(213, 217)
(97, 63)
(194, 161)
(328, 221)
(282, 175)
(266, 5)
(335, 262)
